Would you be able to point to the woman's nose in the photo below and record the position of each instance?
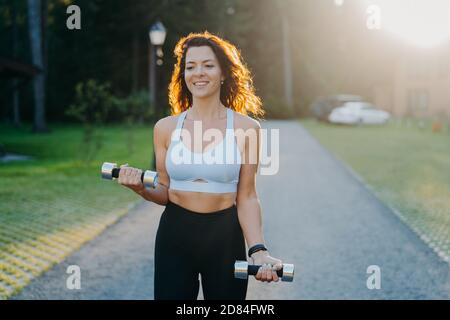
(199, 71)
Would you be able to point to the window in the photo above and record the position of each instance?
(418, 99)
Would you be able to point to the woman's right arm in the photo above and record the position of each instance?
(159, 194)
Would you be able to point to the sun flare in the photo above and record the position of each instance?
(424, 23)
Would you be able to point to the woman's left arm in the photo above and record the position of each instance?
(249, 207)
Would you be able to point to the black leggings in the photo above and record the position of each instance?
(189, 243)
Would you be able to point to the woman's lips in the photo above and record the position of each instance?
(201, 84)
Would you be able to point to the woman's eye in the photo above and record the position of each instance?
(208, 66)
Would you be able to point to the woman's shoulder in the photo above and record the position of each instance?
(165, 126)
(242, 121)
(168, 123)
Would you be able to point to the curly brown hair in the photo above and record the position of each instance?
(237, 91)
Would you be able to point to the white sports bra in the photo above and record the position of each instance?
(217, 168)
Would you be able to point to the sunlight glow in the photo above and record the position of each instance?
(425, 23)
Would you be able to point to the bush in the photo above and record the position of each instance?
(93, 102)
(135, 109)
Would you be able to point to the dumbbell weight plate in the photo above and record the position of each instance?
(108, 171)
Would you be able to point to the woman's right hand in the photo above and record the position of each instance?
(131, 178)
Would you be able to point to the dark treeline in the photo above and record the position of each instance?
(112, 45)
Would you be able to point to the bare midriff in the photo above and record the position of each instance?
(202, 202)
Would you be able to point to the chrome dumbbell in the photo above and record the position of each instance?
(242, 270)
(110, 171)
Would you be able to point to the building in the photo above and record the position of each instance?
(419, 86)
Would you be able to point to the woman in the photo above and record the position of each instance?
(210, 207)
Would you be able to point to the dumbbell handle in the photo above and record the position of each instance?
(253, 270)
(242, 270)
(115, 174)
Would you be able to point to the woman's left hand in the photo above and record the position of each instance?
(269, 265)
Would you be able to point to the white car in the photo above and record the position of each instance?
(358, 113)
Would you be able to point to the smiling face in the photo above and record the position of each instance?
(202, 72)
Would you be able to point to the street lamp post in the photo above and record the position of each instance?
(151, 75)
(157, 35)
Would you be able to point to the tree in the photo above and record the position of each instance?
(16, 110)
(35, 32)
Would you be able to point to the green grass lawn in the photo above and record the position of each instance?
(408, 167)
(51, 205)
